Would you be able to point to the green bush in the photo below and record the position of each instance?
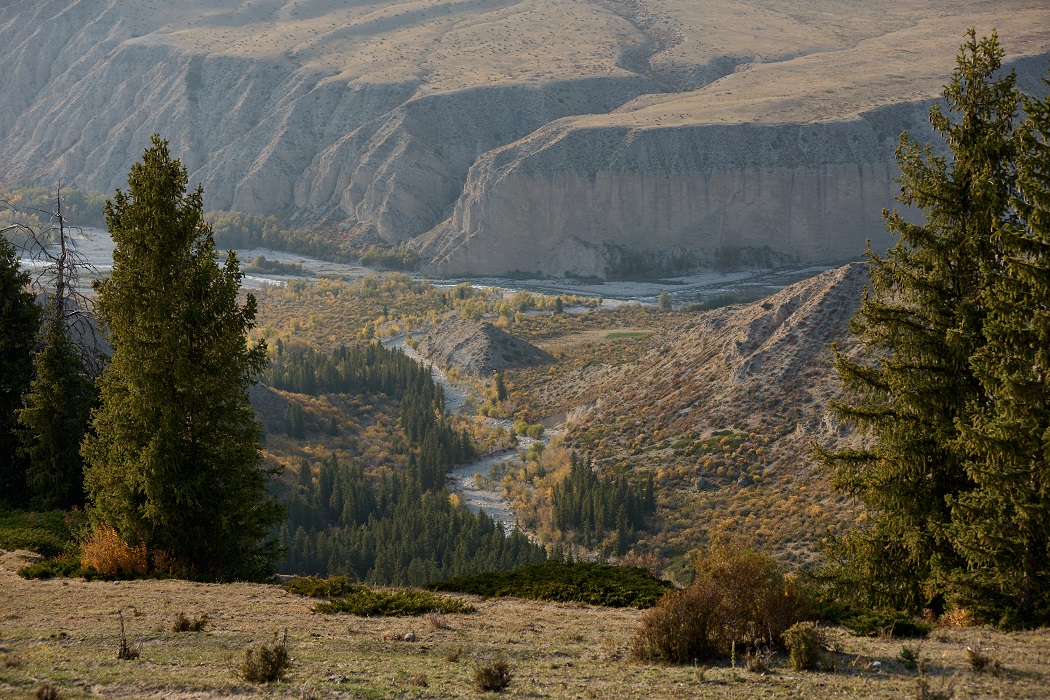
(886, 622)
(60, 567)
(803, 642)
(404, 602)
(331, 587)
(581, 582)
(51, 533)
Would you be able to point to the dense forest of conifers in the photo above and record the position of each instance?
(591, 506)
(403, 529)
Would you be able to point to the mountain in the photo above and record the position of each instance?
(584, 138)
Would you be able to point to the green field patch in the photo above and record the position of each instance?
(628, 335)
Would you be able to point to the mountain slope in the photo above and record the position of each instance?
(500, 135)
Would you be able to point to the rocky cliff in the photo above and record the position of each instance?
(499, 135)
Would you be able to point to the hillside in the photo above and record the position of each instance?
(498, 135)
(556, 650)
(723, 408)
(478, 348)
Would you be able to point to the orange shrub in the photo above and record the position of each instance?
(105, 551)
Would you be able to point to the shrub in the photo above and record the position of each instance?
(980, 661)
(185, 624)
(803, 642)
(581, 582)
(332, 587)
(51, 533)
(108, 554)
(909, 656)
(267, 662)
(739, 598)
(368, 603)
(126, 652)
(886, 623)
(47, 692)
(60, 567)
(494, 675)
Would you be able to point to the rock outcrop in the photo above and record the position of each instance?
(478, 348)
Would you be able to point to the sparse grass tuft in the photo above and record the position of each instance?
(453, 654)
(403, 602)
(419, 679)
(493, 675)
(267, 662)
(185, 624)
(981, 662)
(47, 692)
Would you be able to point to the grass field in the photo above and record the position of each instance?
(66, 633)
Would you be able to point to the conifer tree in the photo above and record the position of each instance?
(174, 461)
(19, 322)
(1002, 526)
(919, 323)
(54, 418)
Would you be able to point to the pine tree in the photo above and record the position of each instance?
(1003, 525)
(174, 461)
(919, 322)
(54, 419)
(19, 323)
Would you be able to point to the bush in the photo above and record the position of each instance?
(803, 642)
(265, 663)
(682, 627)
(108, 554)
(61, 567)
(51, 533)
(890, 623)
(738, 599)
(331, 587)
(185, 624)
(494, 675)
(581, 582)
(370, 603)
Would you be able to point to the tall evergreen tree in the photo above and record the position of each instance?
(174, 461)
(1002, 526)
(919, 322)
(19, 323)
(54, 419)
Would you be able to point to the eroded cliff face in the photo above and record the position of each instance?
(762, 193)
(502, 135)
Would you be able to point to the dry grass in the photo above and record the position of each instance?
(66, 633)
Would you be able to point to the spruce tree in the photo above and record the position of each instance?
(19, 323)
(54, 419)
(919, 323)
(1002, 526)
(174, 462)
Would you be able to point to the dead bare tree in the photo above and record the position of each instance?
(59, 271)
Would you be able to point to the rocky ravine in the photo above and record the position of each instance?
(498, 135)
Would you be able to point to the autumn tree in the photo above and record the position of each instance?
(173, 462)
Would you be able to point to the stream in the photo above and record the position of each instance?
(461, 478)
